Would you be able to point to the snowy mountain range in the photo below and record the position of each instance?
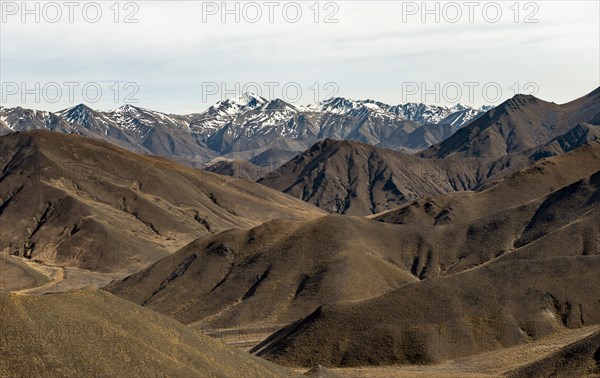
(251, 127)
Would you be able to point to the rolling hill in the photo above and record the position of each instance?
(514, 262)
(93, 333)
(270, 274)
(281, 271)
(581, 358)
(77, 202)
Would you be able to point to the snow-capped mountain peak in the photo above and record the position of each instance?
(356, 108)
(79, 114)
(339, 105)
(250, 122)
(247, 100)
(458, 106)
(128, 109)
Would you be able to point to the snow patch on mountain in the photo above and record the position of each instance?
(248, 118)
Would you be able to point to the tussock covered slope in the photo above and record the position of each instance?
(581, 359)
(273, 273)
(80, 202)
(508, 273)
(93, 333)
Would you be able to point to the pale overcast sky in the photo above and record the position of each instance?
(181, 63)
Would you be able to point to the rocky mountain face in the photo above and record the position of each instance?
(401, 127)
(266, 132)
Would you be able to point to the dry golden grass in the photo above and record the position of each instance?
(69, 201)
(92, 333)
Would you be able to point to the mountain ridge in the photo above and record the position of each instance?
(355, 178)
(72, 201)
(249, 124)
(518, 124)
(522, 268)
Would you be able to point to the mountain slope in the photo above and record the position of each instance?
(581, 358)
(358, 179)
(91, 332)
(498, 305)
(280, 271)
(134, 128)
(251, 122)
(500, 193)
(418, 139)
(271, 274)
(238, 169)
(247, 126)
(142, 130)
(20, 119)
(518, 124)
(522, 266)
(352, 178)
(79, 202)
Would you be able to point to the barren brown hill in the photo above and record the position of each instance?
(358, 179)
(79, 202)
(238, 169)
(497, 305)
(579, 359)
(518, 124)
(513, 272)
(572, 139)
(506, 165)
(281, 271)
(93, 333)
(272, 274)
(422, 137)
(500, 192)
